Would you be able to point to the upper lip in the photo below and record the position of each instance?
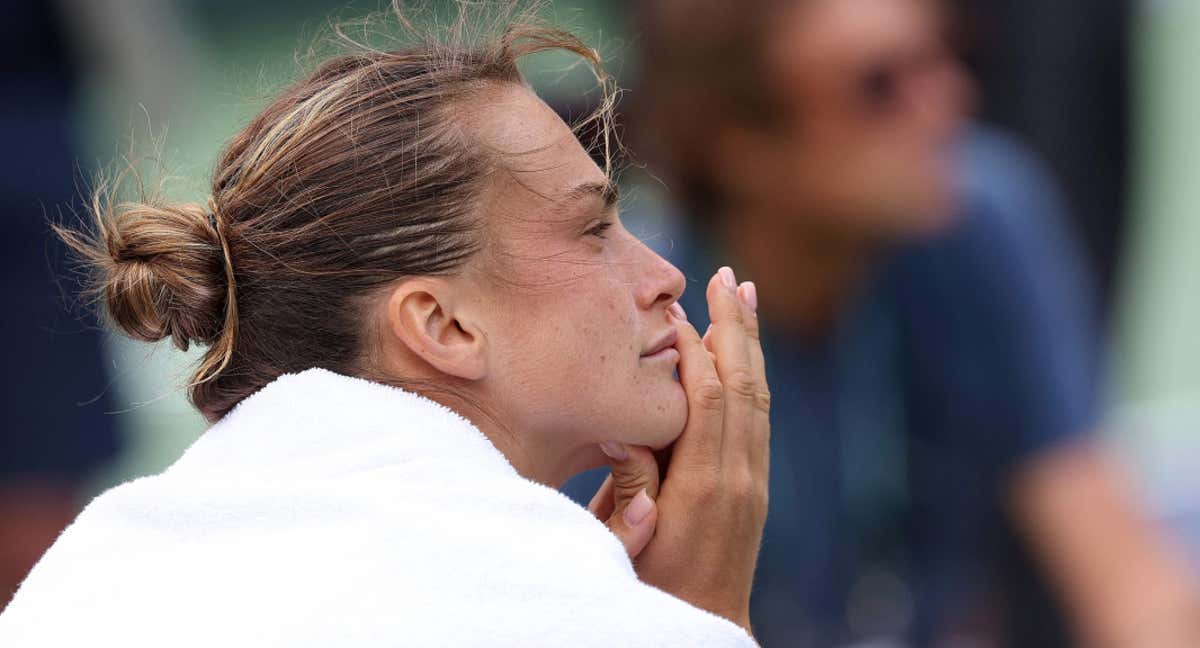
(664, 341)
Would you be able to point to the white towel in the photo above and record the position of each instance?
(332, 511)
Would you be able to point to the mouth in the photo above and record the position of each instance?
(663, 348)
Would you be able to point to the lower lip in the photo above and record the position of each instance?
(670, 354)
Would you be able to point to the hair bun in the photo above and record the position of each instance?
(161, 270)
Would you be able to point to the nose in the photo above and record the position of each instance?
(658, 283)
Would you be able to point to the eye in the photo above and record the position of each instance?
(599, 229)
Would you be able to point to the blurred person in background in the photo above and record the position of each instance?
(929, 329)
(56, 429)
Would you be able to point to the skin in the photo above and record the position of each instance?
(1123, 584)
(859, 180)
(44, 508)
(859, 176)
(554, 317)
(853, 166)
(543, 340)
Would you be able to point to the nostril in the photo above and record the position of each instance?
(665, 299)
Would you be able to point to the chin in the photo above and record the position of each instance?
(670, 416)
(942, 211)
(928, 212)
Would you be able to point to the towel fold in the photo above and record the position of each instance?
(332, 511)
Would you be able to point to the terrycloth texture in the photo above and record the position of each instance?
(331, 511)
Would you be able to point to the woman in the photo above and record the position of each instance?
(422, 315)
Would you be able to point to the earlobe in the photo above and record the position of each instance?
(421, 316)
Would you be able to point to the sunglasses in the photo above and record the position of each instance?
(880, 88)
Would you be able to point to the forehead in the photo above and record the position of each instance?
(834, 35)
(539, 160)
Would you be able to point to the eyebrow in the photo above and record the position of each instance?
(606, 191)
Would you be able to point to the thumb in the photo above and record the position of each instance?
(634, 486)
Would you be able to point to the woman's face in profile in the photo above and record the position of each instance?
(580, 348)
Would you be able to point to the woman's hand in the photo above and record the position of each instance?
(712, 501)
(625, 501)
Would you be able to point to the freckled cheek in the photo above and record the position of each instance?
(606, 346)
(610, 329)
(624, 338)
(592, 326)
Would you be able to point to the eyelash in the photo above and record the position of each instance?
(599, 229)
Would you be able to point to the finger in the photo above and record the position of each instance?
(634, 469)
(760, 427)
(602, 502)
(748, 294)
(732, 347)
(634, 486)
(634, 525)
(633, 531)
(699, 447)
(728, 331)
(707, 340)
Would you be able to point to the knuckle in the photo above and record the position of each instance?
(738, 314)
(632, 482)
(747, 483)
(708, 393)
(762, 400)
(694, 341)
(742, 384)
(728, 310)
(753, 333)
(750, 493)
(705, 491)
(743, 486)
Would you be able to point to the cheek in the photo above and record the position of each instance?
(573, 368)
(606, 334)
(636, 401)
(579, 333)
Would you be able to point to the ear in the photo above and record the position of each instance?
(421, 315)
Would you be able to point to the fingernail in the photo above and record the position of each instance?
(638, 508)
(749, 295)
(727, 277)
(615, 450)
(677, 311)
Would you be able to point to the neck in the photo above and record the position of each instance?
(804, 271)
(544, 463)
(541, 458)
